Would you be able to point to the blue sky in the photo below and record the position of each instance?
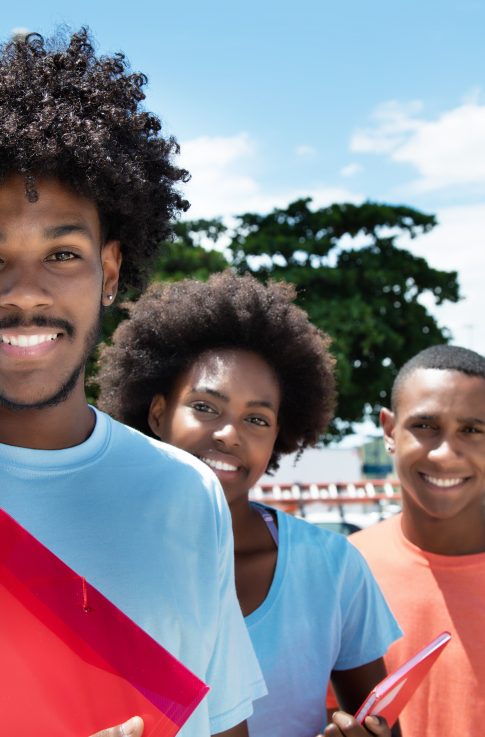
(340, 101)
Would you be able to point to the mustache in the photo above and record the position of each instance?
(39, 321)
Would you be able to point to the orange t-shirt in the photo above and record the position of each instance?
(430, 593)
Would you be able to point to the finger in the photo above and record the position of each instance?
(331, 730)
(377, 725)
(345, 724)
(132, 728)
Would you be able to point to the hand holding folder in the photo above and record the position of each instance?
(72, 663)
(392, 694)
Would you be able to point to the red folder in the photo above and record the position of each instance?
(391, 695)
(71, 662)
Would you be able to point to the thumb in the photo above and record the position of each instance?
(131, 728)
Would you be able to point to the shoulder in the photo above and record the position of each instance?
(331, 546)
(299, 528)
(374, 537)
(324, 560)
(152, 462)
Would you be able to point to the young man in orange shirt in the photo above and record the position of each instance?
(430, 559)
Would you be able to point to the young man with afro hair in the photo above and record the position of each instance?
(430, 559)
(87, 190)
(233, 372)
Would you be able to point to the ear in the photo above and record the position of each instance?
(111, 263)
(155, 414)
(388, 422)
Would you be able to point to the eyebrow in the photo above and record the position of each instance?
(225, 398)
(463, 420)
(471, 420)
(212, 392)
(59, 231)
(420, 416)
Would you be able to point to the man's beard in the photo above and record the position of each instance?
(68, 386)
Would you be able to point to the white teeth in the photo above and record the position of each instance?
(219, 465)
(445, 483)
(25, 341)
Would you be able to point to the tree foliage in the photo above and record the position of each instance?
(186, 256)
(179, 258)
(352, 278)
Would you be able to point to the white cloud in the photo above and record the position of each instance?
(218, 167)
(217, 152)
(457, 244)
(350, 170)
(225, 182)
(446, 152)
(305, 150)
(394, 122)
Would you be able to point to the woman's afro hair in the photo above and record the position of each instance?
(173, 324)
(68, 114)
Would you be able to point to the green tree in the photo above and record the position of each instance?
(182, 257)
(185, 256)
(366, 293)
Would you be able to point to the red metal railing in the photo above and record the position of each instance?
(293, 497)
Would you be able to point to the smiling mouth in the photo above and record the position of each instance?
(27, 341)
(218, 465)
(443, 483)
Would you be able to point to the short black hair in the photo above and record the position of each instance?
(68, 114)
(172, 324)
(443, 357)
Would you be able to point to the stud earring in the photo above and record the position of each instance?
(110, 297)
(389, 448)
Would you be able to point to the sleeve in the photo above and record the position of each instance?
(234, 674)
(368, 625)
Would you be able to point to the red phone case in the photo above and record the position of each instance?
(391, 695)
(71, 662)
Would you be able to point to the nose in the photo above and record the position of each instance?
(445, 450)
(22, 288)
(227, 434)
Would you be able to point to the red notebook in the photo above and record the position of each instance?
(391, 695)
(71, 662)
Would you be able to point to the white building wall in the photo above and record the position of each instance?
(318, 465)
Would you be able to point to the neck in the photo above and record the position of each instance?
(249, 529)
(460, 535)
(52, 428)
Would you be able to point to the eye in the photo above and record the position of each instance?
(423, 426)
(62, 256)
(472, 430)
(258, 421)
(200, 406)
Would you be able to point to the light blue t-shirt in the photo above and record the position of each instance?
(146, 524)
(323, 612)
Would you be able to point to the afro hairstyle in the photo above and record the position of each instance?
(173, 324)
(68, 114)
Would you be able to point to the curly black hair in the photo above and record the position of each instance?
(172, 324)
(443, 357)
(67, 114)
